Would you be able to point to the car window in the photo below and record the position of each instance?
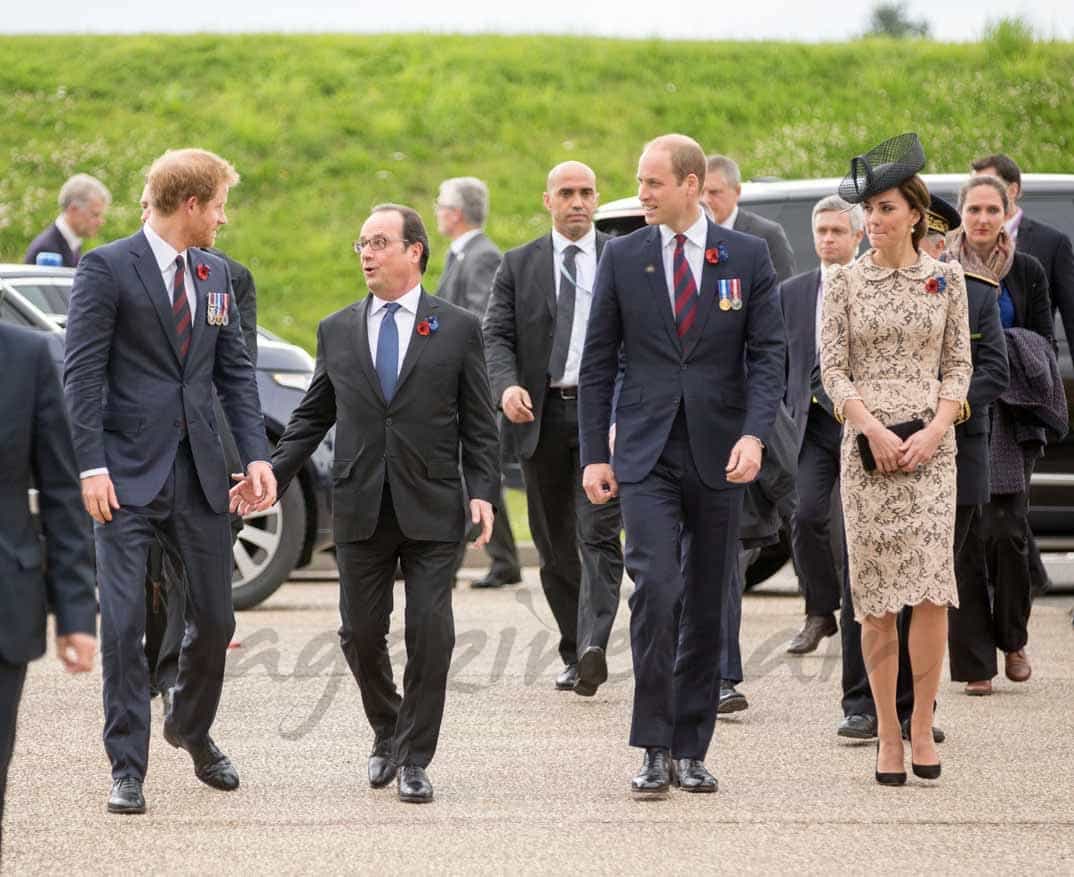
(10, 314)
(46, 297)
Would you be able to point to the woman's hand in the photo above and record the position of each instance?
(885, 445)
(919, 448)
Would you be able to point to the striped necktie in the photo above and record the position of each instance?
(685, 288)
(181, 308)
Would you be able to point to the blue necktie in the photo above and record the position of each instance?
(388, 351)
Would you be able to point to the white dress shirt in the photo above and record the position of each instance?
(696, 236)
(585, 267)
(165, 255)
(729, 223)
(459, 244)
(73, 240)
(404, 322)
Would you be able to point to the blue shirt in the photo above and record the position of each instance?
(1006, 307)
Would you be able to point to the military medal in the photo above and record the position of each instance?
(216, 309)
(736, 294)
(724, 289)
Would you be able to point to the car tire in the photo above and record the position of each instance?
(268, 549)
(770, 560)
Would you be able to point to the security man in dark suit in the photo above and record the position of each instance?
(84, 201)
(36, 451)
(534, 332)
(837, 232)
(402, 377)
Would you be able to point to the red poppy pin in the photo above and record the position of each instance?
(428, 326)
(717, 254)
(202, 270)
(936, 284)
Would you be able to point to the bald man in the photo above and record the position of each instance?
(535, 328)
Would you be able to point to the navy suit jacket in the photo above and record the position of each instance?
(798, 302)
(127, 392)
(1049, 246)
(727, 373)
(51, 240)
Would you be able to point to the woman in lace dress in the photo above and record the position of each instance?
(895, 347)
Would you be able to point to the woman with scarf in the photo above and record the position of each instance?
(983, 248)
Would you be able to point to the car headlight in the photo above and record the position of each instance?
(293, 380)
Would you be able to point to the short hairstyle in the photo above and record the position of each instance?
(184, 173)
(80, 189)
(833, 203)
(726, 167)
(1005, 166)
(413, 228)
(983, 180)
(468, 194)
(687, 156)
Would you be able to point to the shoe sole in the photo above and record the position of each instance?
(592, 673)
(655, 795)
(986, 693)
(854, 735)
(732, 706)
(415, 799)
(126, 811)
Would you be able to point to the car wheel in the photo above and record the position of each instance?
(769, 561)
(268, 549)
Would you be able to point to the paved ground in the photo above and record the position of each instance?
(529, 780)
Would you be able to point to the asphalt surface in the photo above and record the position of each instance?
(530, 780)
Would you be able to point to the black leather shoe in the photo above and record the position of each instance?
(938, 736)
(126, 796)
(859, 726)
(498, 580)
(654, 778)
(414, 785)
(211, 766)
(691, 775)
(731, 700)
(592, 671)
(816, 628)
(382, 768)
(566, 680)
(924, 771)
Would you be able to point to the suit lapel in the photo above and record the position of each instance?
(195, 258)
(145, 266)
(811, 297)
(707, 294)
(652, 259)
(545, 276)
(427, 306)
(358, 324)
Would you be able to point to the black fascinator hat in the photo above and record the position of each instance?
(883, 167)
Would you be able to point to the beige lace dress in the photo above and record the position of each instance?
(887, 335)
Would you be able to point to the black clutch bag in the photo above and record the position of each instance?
(903, 430)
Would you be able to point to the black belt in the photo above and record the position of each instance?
(568, 393)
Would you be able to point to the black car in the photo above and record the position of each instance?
(1048, 197)
(272, 543)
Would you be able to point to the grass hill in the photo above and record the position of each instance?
(323, 127)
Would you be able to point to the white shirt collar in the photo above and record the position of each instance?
(459, 244)
(163, 252)
(729, 223)
(408, 302)
(587, 243)
(696, 234)
(73, 240)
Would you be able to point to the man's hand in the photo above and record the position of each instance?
(598, 481)
(517, 405)
(745, 460)
(76, 651)
(481, 513)
(99, 497)
(255, 491)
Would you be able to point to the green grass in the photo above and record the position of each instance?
(323, 127)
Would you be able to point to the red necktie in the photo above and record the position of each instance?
(181, 308)
(685, 288)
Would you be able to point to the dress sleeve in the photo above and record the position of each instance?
(835, 342)
(956, 364)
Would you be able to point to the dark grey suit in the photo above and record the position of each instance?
(1049, 246)
(36, 450)
(578, 542)
(51, 240)
(772, 233)
(398, 499)
(467, 282)
(819, 437)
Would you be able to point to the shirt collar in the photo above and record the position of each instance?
(587, 243)
(696, 234)
(459, 244)
(73, 240)
(407, 302)
(1014, 222)
(729, 223)
(163, 252)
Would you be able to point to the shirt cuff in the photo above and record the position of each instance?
(89, 473)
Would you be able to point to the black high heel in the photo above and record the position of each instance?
(924, 771)
(891, 778)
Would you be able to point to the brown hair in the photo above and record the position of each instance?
(917, 196)
(687, 157)
(1004, 165)
(183, 173)
(413, 228)
(984, 180)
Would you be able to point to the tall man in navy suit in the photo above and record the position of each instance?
(691, 310)
(152, 327)
(84, 201)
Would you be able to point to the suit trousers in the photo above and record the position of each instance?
(179, 514)
(411, 722)
(577, 542)
(857, 696)
(970, 637)
(811, 527)
(682, 544)
(731, 623)
(12, 677)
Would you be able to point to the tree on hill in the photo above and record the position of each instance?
(892, 19)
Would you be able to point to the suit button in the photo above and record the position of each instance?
(387, 421)
(684, 366)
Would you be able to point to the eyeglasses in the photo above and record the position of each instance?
(376, 244)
